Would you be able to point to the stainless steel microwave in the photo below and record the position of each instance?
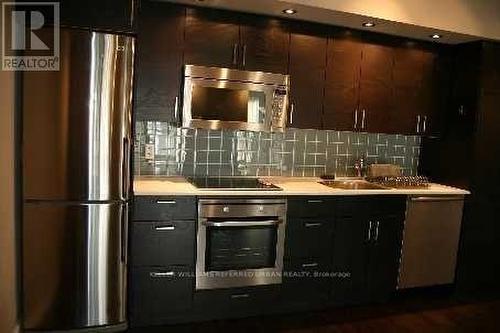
(216, 98)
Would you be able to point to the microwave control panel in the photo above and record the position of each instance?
(280, 102)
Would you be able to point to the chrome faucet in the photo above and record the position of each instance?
(359, 166)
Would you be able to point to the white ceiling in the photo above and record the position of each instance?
(332, 17)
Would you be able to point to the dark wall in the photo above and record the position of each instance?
(468, 156)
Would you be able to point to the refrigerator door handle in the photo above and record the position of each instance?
(125, 168)
(124, 234)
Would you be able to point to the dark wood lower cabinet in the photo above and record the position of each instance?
(384, 255)
(235, 302)
(338, 251)
(366, 249)
(158, 294)
(350, 260)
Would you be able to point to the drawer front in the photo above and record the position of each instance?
(307, 279)
(158, 208)
(308, 238)
(310, 207)
(159, 293)
(370, 206)
(163, 243)
(351, 206)
(236, 300)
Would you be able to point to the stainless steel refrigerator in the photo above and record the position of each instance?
(76, 157)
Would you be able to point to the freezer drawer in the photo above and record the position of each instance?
(74, 265)
(430, 241)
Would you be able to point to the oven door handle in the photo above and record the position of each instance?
(241, 223)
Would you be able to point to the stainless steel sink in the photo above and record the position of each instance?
(352, 185)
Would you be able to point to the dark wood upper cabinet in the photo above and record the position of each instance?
(264, 44)
(212, 38)
(106, 15)
(223, 39)
(340, 80)
(375, 89)
(412, 74)
(343, 70)
(490, 71)
(159, 62)
(307, 72)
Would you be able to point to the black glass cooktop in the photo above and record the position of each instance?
(232, 183)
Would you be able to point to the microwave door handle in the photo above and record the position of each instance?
(292, 109)
(176, 109)
(241, 223)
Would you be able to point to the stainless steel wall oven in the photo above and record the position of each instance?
(240, 242)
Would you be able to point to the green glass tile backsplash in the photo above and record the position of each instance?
(162, 149)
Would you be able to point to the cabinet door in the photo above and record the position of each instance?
(158, 294)
(308, 238)
(342, 83)
(350, 260)
(212, 38)
(113, 15)
(159, 62)
(264, 45)
(307, 280)
(487, 178)
(385, 251)
(435, 92)
(407, 76)
(375, 89)
(307, 71)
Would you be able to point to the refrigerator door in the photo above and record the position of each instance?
(77, 121)
(74, 265)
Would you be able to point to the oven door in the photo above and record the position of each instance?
(239, 252)
(216, 104)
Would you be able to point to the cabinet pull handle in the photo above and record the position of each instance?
(235, 54)
(292, 109)
(461, 110)
(418, 124)
(314, 201)
(313, 264)
(309, 225)
(363, 119)
(165, 228)
(166, 202)
(356, 119)
(176, 109)
(244, 57)
(370, 231)
(377, 225)
(240, 296)
(161, 274)
(424, 125)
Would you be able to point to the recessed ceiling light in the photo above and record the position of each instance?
(368, 24)
(436, 36)
(289, 11)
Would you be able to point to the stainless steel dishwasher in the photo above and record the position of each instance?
(430, 241)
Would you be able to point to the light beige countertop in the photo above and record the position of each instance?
(172, 186)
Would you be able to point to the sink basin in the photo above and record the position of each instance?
(352, 185)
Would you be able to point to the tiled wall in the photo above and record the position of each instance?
(302, 153)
